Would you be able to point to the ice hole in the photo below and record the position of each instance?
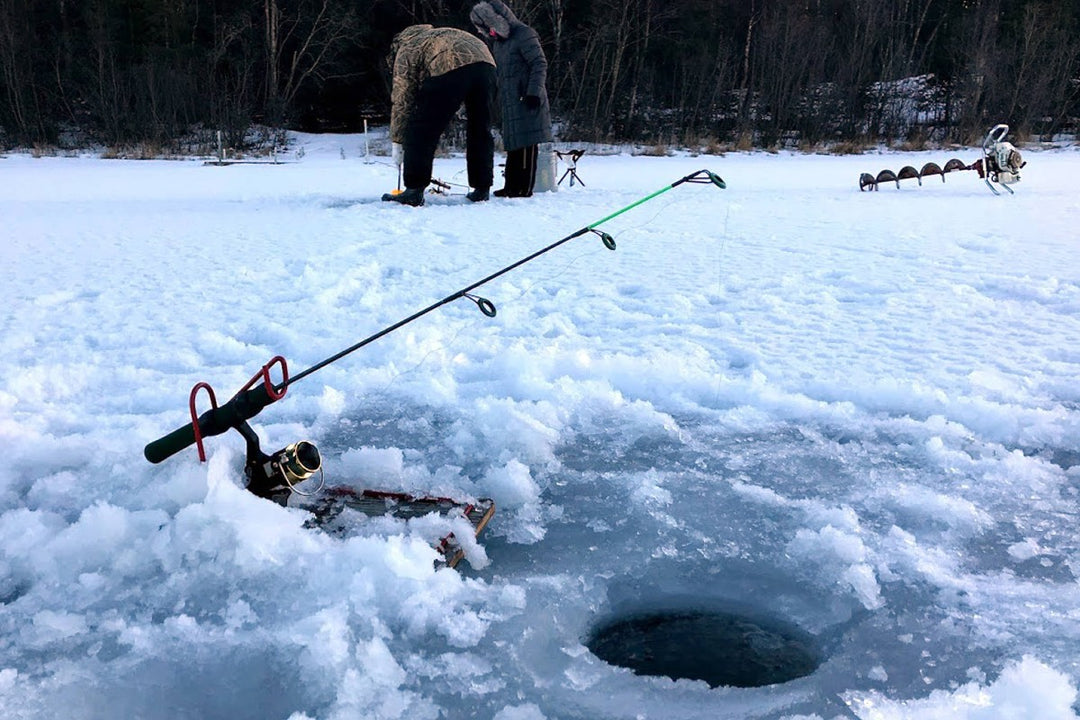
(717, 647)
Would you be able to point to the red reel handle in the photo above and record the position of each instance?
(195, 415)
(264, 373)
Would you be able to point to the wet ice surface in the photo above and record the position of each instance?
(857, 414)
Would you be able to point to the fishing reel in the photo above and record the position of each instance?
(276, 476)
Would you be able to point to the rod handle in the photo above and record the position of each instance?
(246, 405)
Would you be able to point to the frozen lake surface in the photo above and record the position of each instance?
(854, 414)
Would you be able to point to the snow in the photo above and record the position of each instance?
(856, 412)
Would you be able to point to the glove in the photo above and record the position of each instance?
(396, 152)
(531, 101)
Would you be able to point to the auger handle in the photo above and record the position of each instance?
(246, 405)
(996, 135)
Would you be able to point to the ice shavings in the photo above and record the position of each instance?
(1026, 688)
(841, 553)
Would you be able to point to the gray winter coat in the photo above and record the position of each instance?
(521, 69)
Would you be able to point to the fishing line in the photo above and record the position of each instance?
(672, 202)
(444, 345)
(720, 255)
(557, 273)
(550, 277)
(719, 290)
(448, 344)
(472, 323)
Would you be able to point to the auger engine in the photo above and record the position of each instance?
(1001, 161)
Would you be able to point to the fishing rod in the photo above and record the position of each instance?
(268, 475)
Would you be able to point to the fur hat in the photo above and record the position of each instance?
(486, 18)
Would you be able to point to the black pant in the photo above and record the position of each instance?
(436, 102)
(521, 171)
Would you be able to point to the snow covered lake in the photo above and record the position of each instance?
(854, 413)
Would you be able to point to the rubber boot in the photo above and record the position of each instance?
(410, 196)
(478, 195)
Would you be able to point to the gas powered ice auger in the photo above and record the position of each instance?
(1001, 163)
(275, 476)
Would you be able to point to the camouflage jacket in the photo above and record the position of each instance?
(422, 51)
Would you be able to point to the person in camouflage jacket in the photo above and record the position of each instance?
(435, 70)
(521, 69)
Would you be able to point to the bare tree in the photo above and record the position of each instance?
(128, 70)
(1043, 73)
(299, 42)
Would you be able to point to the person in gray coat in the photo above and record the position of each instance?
(521, 70)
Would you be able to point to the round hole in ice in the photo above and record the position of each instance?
(717, 647)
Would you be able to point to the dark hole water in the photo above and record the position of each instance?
(719, 648)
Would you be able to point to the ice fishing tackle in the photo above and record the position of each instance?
(1000, 163)
(275, 475)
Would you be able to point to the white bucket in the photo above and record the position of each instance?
(546, 169)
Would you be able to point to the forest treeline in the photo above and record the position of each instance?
(749, 72)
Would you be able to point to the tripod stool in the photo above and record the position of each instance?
(571, 157)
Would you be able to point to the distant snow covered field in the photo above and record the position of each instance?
(854, 413)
